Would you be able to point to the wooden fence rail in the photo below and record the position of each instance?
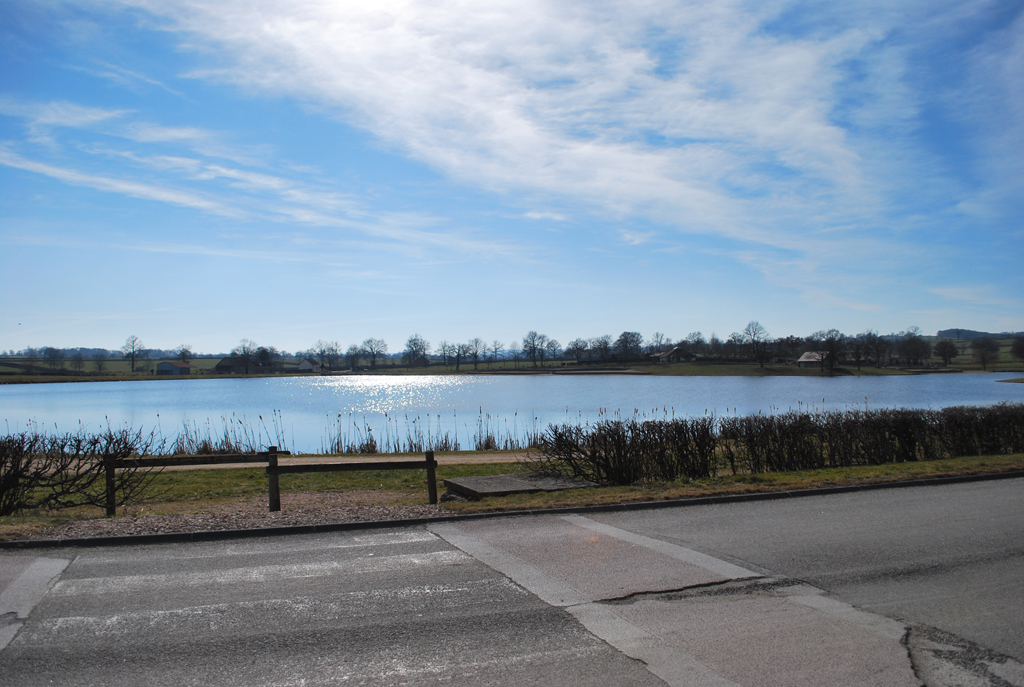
(269, 457)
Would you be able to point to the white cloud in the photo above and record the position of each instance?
(123, 186)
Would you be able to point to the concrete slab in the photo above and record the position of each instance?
(503, 485)
(763, 639)
(593, 563)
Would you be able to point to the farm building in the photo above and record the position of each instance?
(173, 368)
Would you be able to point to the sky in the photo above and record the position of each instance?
(199, 172)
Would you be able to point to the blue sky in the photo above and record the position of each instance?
(196, 172)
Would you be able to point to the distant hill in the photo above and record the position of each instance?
(971, 334)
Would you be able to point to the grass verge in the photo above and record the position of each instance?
(197, 491)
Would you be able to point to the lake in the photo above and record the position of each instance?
(306, 413)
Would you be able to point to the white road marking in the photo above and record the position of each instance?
(250, 547)
(265, 573)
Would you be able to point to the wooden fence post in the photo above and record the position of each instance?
(431, 478)
(108, 466)
(272, 479)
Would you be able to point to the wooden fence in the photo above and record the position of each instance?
(274, 469)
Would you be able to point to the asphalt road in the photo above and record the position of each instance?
(419, 606)
(949, 557)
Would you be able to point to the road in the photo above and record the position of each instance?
(892, 587)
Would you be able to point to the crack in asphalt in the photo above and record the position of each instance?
(736, 587)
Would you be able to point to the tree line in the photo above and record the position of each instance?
(829, 348)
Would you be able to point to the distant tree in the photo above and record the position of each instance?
(629, 344)
(602, 346)
(913, 348)
(734, 345)
(757, 340)
(516, 351)
(77, 362)
(577, 348)
(415, 348)
(1017, 348)
(267, 356)
(542, 347)
(496, 348)
(857, 349)
(373, 349)
(476, 348)
(321, 350)
(553, 348)
(831, 343)
(133, 349)
(789, 347)
(54, 357)
(877, 347)
(946, 350)
(658, 343)
(715, 345)
(695, 343)
(99, 361)
(985, 350)
(530, 345)
(461, 353)
(183, 352)
(245, 353)
(446, 350)
(352, 356)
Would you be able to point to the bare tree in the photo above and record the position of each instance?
(496, 348)
(476, 348)
(446, 351)
(531, 346)
(415, 348)
(946, 350)
(183, 352)
(267, 356)
(1017, 348)
(695, 342)
(542, 347)
(657, 343)
(352, 356)
(99, 362)
(332, 351)
(516, 351)
(77, 362)
(577, 348)
(54, 357)
(553, 348)
(877, 347)
(831, 343)
(629, 344)
(602, 345)
(245, 352)
(913, 348)
(321, 349)
(373, 349)
(132, 349)
(985, 350)
(757, 339)
(461, 353)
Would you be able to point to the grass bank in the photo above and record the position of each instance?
(198, 491)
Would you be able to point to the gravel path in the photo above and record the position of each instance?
(296, 509)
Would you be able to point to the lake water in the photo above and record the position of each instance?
(303, 413)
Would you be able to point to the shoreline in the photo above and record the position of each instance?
(668, 370)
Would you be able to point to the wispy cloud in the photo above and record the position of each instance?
(697, 115)
(123, 186)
